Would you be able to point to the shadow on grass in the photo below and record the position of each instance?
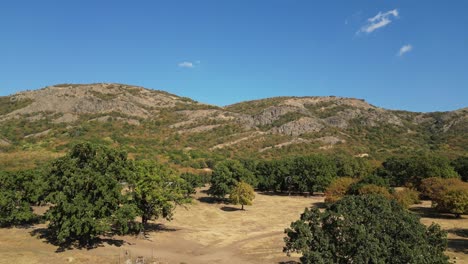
(431, 213)
(458, 245)
(317, 194)
(159, 228)
(462, 232)
(230, 209)
(289, 262)
(46, 235)
(210, 200)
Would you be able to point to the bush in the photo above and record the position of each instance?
(432, 188)
(447, 195)
(371, 179)
(407, 197)
(338, 189)
(365, 229)
(454, 201)
(374, 189)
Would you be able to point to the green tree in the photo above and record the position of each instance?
(86, 194)
(348, 166)
(371, 179)
(410, 171)
(338, 188)
(242, 194)
(18, 191)
(313, 173)
(225, 176)
(365, 229)
(461, 166)
(454, 201)
(157, 190)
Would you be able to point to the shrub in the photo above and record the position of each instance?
(365, 229)
(338, 189)
(374, 189)
(407, 197)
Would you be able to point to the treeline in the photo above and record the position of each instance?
(92, 191)
(339, 176)
(314, 173)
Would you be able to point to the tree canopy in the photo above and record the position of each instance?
(364, 229)
(86, 194)
(226, 175)
(242, 194)
(157, 190)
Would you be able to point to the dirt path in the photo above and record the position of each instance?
(205, 232)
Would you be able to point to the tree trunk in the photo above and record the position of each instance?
(242, 207)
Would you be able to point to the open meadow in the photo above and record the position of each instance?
(205, 232)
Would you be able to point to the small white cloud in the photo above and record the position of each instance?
(186, 64)
(405, 49)
(378, 21)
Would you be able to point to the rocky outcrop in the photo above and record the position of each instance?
(300, 126)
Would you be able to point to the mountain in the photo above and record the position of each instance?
(38, 125)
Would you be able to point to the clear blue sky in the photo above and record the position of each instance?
(222, 52)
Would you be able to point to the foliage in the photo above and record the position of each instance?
(226, 175)
(447, 195)
(348, 166)
(312, 173)
(412, 170)
(406, 197)
(195, 180)
(365, 229)
(461, 166)
(371, 179)
(242, 194)
(374, 189)
(272, 175)
(86, 193)
(455, 201)
(18, 191)
(157, 190)
(338, 188)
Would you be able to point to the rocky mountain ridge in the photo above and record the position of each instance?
(127, 115)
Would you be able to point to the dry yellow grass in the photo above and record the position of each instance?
(203, 233)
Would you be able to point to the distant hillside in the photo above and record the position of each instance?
(38, 125)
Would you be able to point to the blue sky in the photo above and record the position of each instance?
(410, 55)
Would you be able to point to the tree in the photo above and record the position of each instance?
(242, 194)
(348, 166)
(18, 191)
(454, 201)
(313, 173)
(371, 179)
(86, 195)
(461, 166)
(157, 190)
(412, 170)
(364, 229)
(338, 188)
(226, 175)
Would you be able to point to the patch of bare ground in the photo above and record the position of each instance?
(457, 229)
(206, 232)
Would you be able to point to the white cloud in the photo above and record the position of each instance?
(405, 49)
(378, 21)
(186, 64)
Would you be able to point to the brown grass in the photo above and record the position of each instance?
(206, 232)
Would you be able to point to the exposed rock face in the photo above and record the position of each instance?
(282, 117)
(74, 100)
(301, 126)
(271, 114)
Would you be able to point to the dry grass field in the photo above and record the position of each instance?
(204, 232)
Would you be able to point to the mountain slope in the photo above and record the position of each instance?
(156, 124)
